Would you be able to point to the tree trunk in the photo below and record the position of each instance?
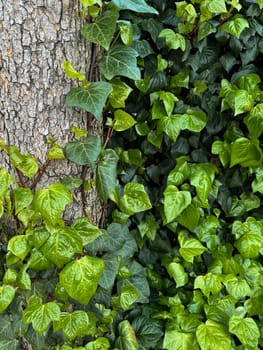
(37, 36)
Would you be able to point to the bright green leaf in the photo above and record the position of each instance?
(127, 339)
(85, 230)
(5, 181)
(235, 25)
(23, 198)
(189, 248)
(254, 121)
(135, 199)
(177, 340)
(80, 278)
(71, 72)
(173, 40)
(175, 202)
(213, 336)
(209, 283)
(119, 94)
(122, 120)
(23, 162)
(245, 152)
(178, 273)
(129, 295)
(7, 294)
(52, 201)
(246, 330)
(19, 246)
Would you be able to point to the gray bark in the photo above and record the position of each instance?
(36, 37)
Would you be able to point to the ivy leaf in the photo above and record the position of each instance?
(71, 71)
(122, 120)
(52, 201)
(235, 25)
(23, 198)
(135, 5)
(213, 335)
(19, 246)
(176, 340)
(254, 121)
(126, 32)
(178, 273)
(23, 162)
(120, 61)
(173, 40)
(40, 314)
(86, 231)
(84, 152)
(171, 126)
(91, 98)
(7, 294)
(194, 120)
(249, 245)
(175, 202)
(106, 174)
(102, 30)
(76, 324)
(129, 295)
(135, 199)
(127, 339)
(209, 283)
(62, 245)
(245, 152)
(237, 288)
(80, 278)
(5, 182)
(205, 29)
(246, 330)
(119, 94)
(189, 248)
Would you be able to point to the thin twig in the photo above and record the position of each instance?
(40, 174)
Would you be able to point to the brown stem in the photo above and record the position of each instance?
(40, 174)
(83, 195)
(20, 178)
(108, 137)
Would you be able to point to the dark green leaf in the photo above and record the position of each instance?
(135, 5)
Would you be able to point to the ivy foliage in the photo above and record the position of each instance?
(178, 264)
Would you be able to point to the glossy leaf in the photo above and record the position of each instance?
(19, 246)
(209, 283)
(40, 315)
(177, 340)
(91, 98)
(23, 198)
(102, 30)
(246, 330)
(245, 152)
(85, 230)
(135, 199)
(129, 295)
(175, 202)
(120, 93)
(213, 335)
(189, 248)
(52, 201)
(5, 181)
(173, 40)
(254, 121)
(23, 162)
(84, 152)
(122, 120)
(71, 71)
(235, 25)
(178, 273)
(7, 294)
(80, 278)
(127, 339)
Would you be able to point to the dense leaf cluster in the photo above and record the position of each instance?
(179, 262)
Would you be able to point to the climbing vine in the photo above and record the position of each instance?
(177, 262)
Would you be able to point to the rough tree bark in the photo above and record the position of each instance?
(36, 37)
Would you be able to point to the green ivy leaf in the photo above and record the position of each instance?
(177, 272)
(129, 295)
(85, 230)
(74, 325)
(246, 330)
(122, 120)
(106, 174)
(91, 98)
(127, 339)
(254, 121)
(19, 246)
(102, 30)
(148, 227)
(237, 288)
(213, 335)
(23, 162)
(119, 94)
(205, 29)
(71, 71)
(7, 294)
(120, 60)
(194, 120)
(135, 199)
(55, 152)
(175, 202)
(249, 245)
(23, 279)
(5, 182)
(61, 246)
(80, 278)
(245, 152)
(40, 315)
(135, 5)
(23, 198)
(235, 25)
(84, 152)
(176, 340)
(98, 344)
(173, 40)
(209, 283)
(126, 32)
(171, 126)
(52, 201)
(189, 218)
(189, 248)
